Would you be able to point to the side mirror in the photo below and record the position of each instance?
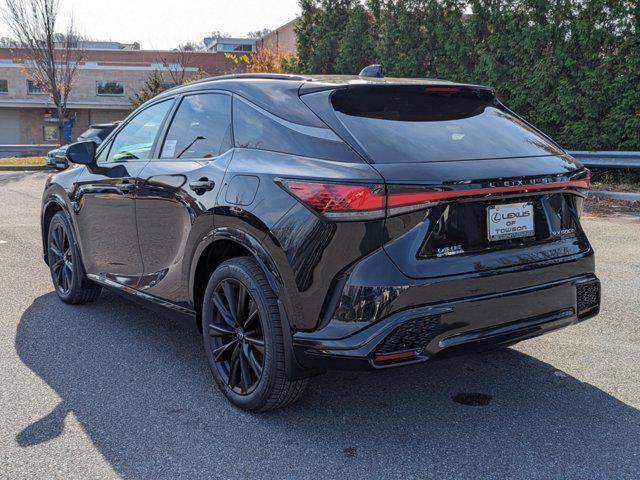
(83, 153)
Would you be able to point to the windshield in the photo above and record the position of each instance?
(432, 124)
(93, 132)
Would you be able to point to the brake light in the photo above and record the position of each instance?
(442, 89)
(340, 201)
(401, 198)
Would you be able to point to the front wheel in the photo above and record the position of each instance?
(243, 338)
(66, 268)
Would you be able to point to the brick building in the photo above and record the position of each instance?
(283, 38)
(105, 80)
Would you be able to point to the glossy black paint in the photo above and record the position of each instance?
(81, 152)
(154, 229)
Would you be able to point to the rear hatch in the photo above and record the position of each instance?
(470, 186)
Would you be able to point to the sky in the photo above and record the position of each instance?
(164, 24)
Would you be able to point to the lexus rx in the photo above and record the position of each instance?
(312, 223)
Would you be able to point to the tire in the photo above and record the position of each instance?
(234, 350)
(67, 273)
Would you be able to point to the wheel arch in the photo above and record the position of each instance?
(52, 206)
(223, 244)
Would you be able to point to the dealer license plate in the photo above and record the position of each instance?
(512, 220)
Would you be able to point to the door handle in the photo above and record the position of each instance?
(202, 185)
(126, 187)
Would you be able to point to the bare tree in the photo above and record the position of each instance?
(6, 42)
(259, 33)
(182, 59)
(50, 59)
(219, 34)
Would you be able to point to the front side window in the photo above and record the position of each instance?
(201, 127)
(4, 86)
(34, 88)
(136, 138)
(110, 88)
(102, 156)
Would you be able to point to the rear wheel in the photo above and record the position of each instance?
(243, 338)
(67, 272)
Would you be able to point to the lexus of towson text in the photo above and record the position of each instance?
(315, 223)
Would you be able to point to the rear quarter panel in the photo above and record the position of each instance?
(308, 251)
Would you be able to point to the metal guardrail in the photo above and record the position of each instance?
(598, 159)
(25, 150)
(608, 159)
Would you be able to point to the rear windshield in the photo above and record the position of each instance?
(434, 124)
(100, 132)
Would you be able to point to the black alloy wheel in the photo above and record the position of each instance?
(67, 272)
(243, 335)
(61, 259)
(238, 345)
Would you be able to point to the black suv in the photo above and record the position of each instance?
(311, 223)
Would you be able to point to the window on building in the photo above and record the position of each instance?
(34, 88)
(201, 128)
(136, 138)
(110, 88)
(4, 86)
(234, 47)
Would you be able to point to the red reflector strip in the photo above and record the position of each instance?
(442, 89)
(402, 199)
(395, 356)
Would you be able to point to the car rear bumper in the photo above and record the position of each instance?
(472, 323)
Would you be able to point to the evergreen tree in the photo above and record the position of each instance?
(571, 67)
(306, 31)
(356, 45)
(153, 86)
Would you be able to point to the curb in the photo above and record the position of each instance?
(24, 168)
(624, 196)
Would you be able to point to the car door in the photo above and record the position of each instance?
(104, 202)
(178, 191)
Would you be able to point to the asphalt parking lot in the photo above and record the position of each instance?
(110, 390)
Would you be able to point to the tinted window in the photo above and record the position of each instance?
(135, 140)
(428, 124)
(92, 132)
(201, 127)
(4, 86)
(103, 133)
(102, 156)
(256, 128)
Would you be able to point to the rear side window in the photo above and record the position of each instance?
(256, 128)
(431, 124)
(201, 127)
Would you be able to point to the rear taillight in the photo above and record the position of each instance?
(340, 201)
(344, 201)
